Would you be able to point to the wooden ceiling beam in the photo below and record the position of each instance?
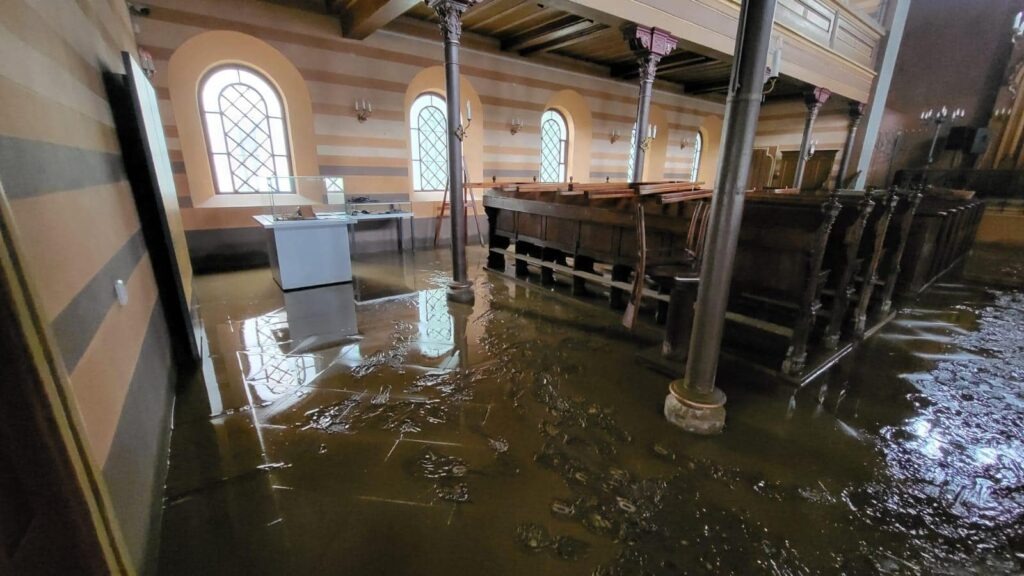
(551, 32)
(671, 63)
(364, 17)
(566, 40)
(708, 88)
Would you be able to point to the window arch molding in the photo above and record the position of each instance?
(428, 140)
(432, 79)
(576, 112)
(554, 146)
(187, 67)
(696, 156)
(246, 131)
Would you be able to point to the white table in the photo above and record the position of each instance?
(398, 217)
(310, 252)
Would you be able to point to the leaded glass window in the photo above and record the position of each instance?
(554, 146)
(246, 134)
(632, 155)
(698, 146)
(429, 137)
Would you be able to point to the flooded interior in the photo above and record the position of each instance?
(374, 428)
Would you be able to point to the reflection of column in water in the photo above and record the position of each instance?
(460, 321)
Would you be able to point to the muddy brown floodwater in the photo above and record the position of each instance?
(373, 428)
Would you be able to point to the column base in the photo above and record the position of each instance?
(705, 416)
(461, 292)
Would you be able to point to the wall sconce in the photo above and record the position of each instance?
(652, 133)
(684, 144)
(1018, 27)
(461, 130)
(613, 136)
(812, 149)
(515, 126)
(146, 63)
(364, 110)
(1001, 113)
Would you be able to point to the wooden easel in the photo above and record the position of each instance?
(439, 221)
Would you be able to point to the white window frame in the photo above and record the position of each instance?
(423, 101)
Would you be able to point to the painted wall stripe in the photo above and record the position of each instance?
(363, 171)
(32, 167)
(75, 326)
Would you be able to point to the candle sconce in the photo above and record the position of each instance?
(652, 133)
(460, 130)
(1001, 113)
(364, 109)
(938, 117)
(613, 136)
(1018, 27)
(684, 144)
(515, 126)
(811, 149)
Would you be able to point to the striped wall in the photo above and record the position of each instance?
(61, 168)
(373, 156)
(781, 124)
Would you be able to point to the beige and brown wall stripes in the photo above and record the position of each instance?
(389, 69)
(780, 129)
(62, 172)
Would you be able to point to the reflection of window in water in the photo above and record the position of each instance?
(265, 367)
(435, 323)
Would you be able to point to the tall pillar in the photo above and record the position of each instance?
(814, 99)
(880, 88)
(694, 403)
(449, 12)
(856, 113)
(649, 45)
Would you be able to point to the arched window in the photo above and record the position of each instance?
(429, 137)
(632, 155)
(554, 146)
(246, 134)
(698, 146)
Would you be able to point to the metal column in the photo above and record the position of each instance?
(694, 403)
(449, 13)
(814, 100)
(856, 113)
(649, 44)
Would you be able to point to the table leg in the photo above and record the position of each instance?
(351, 238)
(412, 232)
(399, 231)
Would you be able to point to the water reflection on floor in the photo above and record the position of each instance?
(403, 435)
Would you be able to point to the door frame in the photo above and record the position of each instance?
(51, 441)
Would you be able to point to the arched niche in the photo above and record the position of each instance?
(432, 80)
(187, 67)
(581, 125)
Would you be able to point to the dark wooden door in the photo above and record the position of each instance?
(817, 169)
(760, 169)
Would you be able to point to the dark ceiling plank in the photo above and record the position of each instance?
(566, 40)
(671, 63)
(708, 88)
(550, 31)
(365, 17)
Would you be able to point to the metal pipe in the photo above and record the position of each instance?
(856, 113)
(697, 389)
(801, 160)
(643, 113)
(449, 14)
(455, 181)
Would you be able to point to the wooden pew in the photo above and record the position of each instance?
(778, 277)
(875, 244)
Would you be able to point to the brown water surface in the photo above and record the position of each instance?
(374, 428)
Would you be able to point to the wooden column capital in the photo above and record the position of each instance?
(856, 112)
(816, 98)
(649, 45)
(449, 12)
